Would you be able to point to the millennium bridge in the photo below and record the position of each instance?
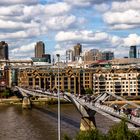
(105, 104)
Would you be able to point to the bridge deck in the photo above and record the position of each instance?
(105, 110)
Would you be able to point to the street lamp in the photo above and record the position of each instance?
(58, 57)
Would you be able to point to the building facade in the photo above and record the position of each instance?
(122, 82)
(77, 51)
(93, 55)
(4, 50)
(73, 80)
(69, 56)
(39, 49)
(48, 57)
(107, 55)
(133, 52)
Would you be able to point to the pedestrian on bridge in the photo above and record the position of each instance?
(116, 108)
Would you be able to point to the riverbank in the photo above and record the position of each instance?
(34, 101)
(11, 100)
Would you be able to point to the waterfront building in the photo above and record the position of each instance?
(133, 52)
(122, 82)
(71, 79)
(9, 68)
(39, 49)
(4, 50)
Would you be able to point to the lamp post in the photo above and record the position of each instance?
(59, 129)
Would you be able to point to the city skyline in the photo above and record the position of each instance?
(112, 25)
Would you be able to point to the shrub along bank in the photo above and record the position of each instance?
(118, 131)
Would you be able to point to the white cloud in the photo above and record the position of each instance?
(37, 18)
(25, 51)
(89, 37)
(24, 48)
(123, 15)
(124, 6)
(81, 36)
(99, 40)
(25, 21)
(21, 34)
(128, 17)
(132, 39)
(101, 7)
(61, 22)
(57, 9)
(16, 25)
(85, 3)
(82, 3)
(11, 10)
(12, 2)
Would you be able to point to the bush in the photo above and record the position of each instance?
(90, 135)
(119, 131)
(88, 91)
(66, 137)
(5, 93)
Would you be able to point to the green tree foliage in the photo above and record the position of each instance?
(118, 131)
(66, 137)
(88, 91)
(138, 134)
(6, 93)
(90, 135)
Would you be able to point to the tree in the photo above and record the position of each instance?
(5, 93)
(120, 131)
(66, 137)
(88, 91)
(90, 135)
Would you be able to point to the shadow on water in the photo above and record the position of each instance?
(54, 115)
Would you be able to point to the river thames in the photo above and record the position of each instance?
(41, 123)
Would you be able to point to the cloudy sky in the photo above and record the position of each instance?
(102, 24)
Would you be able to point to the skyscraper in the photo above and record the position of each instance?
(92, 55)
(3, 50)
(133, 52)
(77, 51)
(48, 57)
(69, 55)
(107, 55)
(39, 49)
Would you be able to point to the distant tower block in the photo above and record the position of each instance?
(39, 49)
(69, 55)
(138, 53)
(77, 51)
(3, 50)
(133, 52)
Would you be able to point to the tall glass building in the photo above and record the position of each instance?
(133, 52)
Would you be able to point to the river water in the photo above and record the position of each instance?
(41, 123)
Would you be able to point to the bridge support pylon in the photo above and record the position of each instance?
(87, 123)
(26, 103)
